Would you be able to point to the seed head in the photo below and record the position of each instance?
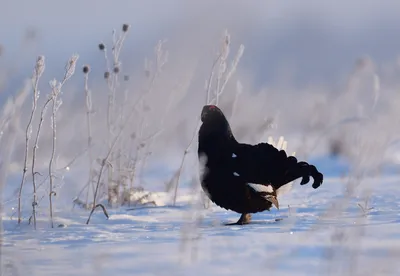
(106, 75)
(40, 65)
(102, 47)
(86, 69)
(70, 67)
(125, 28)
(116, 69)
(126, 78)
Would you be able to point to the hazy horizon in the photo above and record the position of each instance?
(311, 41)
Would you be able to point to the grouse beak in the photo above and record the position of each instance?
(273, 200)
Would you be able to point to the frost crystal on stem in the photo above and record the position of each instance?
(38, 71)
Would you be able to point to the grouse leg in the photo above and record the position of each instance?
(245, 218)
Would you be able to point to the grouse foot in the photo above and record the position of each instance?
(244, 219)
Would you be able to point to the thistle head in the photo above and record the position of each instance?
(125, 28)
(102, 47)
(86, 69)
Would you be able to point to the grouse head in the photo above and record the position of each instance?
(212, 113)
(214, 122)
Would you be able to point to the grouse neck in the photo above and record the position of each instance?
(219, 126)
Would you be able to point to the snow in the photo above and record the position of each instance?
(315, 237)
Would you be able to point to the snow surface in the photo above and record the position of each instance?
(315, 237)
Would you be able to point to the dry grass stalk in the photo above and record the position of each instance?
(56, 103)
(34, 151)
(38, 71)
(89, 111)
(95, 207)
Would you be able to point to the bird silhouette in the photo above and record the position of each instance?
(241, 177)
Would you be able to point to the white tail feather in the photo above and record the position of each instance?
(261, 188)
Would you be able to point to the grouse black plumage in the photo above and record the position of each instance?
(241, 177)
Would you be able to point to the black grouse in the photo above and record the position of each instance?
(241, 177)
